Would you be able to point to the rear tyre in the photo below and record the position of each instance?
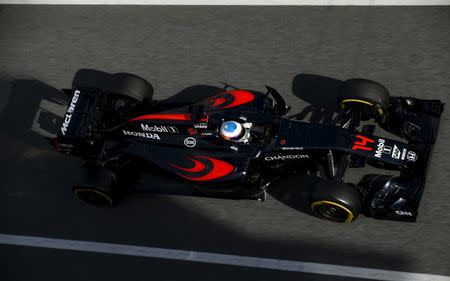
(131, 86)
(118, 84)
(370, 97)
(91, 79)
(336, 201)
(99, 188)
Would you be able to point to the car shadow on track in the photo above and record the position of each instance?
(320, 93)
(30, 106)
(295, 191)
(317, 90)
(32, 111)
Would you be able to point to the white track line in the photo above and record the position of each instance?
(231, 2)
(193, 256)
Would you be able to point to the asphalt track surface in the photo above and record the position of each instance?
(405, 48)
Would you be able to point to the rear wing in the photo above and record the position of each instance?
(77, 122)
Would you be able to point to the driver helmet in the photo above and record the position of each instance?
(232, 130)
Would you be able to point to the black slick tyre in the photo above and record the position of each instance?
(132, 86)
(99, 187)
(91, 79)
(123, 84)
(336, 201)
(371, 97)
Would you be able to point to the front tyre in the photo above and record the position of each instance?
(336, 201)
(370, 97)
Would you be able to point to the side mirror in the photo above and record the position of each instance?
(281, 107)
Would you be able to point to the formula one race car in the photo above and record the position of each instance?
(235, 143)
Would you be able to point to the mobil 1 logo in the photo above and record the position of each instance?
(382, 148)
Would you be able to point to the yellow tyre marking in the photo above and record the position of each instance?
(380, 111)
(357, 100)
(323, 202)
(95, 191)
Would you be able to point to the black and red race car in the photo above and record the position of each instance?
(235, 143)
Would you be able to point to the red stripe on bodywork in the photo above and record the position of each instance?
(219, 169)
(175, 117)
(240, 97)
(219, 102)
(198, 167)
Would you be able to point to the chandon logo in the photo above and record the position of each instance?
(286, 157)
(69, 112)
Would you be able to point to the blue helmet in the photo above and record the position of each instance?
(231, 130)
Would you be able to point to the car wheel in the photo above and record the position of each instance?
(369, 96)
(91, 79)
(118, 84)
(99, 187)
(132, 86)
(336, 201)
